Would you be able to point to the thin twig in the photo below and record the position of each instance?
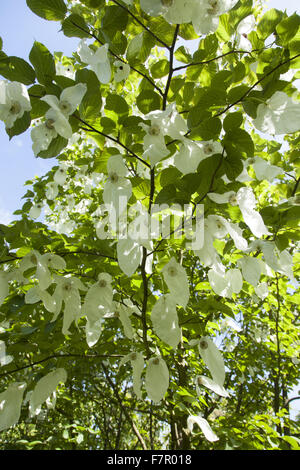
(142, 24)
(130, 420)
(113, 139)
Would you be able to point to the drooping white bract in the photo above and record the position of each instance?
(123, 312)
(97, 302)
(67, 291)
(169, 121)
(14, 102)
(218, 227)
(188, 157)
(65, 71)
(57, 120)
(213, 359)
(165, 320)
(244, 28)
(117, 188)
(122, 71)
(45, 388)
(205, 14)
(203, 425)
(163, 123)
(51, 190)
(42, 263)
(225, 284)
(35, 210)
(34, 260)
(208, 254)
(36, 294)
(98, 61)
(261, 290)
(177, 281)
(42, 135)
(69, 99)
(4, 358)
(279, 115)
(130, 254)
(247, 202)
(231, 323)
(137, 363)
(156, 379)
(264, 170)
(154, 143)
(281, 262)
(60, 176)
(64, 224)
(252, 268)
(222, 227)
(10, 404)
(224, 198)
(211, 147)
(213, 386)
(174, 11)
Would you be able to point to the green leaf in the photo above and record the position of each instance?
(267, 24)
(232, 121)
(27, 330)
(223, 32)
(288, 28)
(183, 55)
(167, 194)
(20, 125)
(207, 173)
(160, 68)
(139, 48)
(187, 32)
(117, 104)
(162, 29)
(236, 93)
(233, 166)
(17, 69)
(75, 26)
(55, 148)
(238, 141)
(38, 107)
(169, 176)
(148, 101)
(208, 129)
(115, 19)
(93, 3)
(91, 103)
(52, 10)
(43, 63)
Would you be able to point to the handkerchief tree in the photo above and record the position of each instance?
(148, 283)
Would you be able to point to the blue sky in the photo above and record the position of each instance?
(19, 28)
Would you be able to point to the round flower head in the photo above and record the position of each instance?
(122, 71)
(14, 102)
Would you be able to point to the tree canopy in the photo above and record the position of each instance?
(148, 286)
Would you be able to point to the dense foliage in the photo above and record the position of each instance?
(111, 337)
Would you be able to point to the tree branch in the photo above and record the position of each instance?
(113, 139)
(255, 84)
(142, 24)
(118, 57)
(59, 356)
(128, 417)
(171, 70)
